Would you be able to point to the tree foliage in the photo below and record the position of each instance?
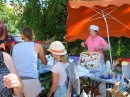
(8, 17)
(120, 46)
(55, 14)
(47, 18)
(31, 16)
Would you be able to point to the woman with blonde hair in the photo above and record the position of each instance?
(59, 86)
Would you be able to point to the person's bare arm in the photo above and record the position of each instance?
(12, 80)
(41, 54)
(54, 85)
(105, 48)
(105, 45)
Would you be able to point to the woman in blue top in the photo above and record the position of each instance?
(25, 56)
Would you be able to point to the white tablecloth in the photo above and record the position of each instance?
(85, 73)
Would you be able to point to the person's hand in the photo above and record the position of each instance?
(11, 81)
(83, 44)
(48, 95)
(2, 46)
(98, 48)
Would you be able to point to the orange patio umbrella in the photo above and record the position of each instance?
(112, 16)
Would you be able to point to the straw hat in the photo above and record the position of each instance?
(57, 48)
(94, 27)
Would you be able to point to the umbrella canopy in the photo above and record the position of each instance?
(111, 16)
(92, 3)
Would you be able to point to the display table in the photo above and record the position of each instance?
(109, 82)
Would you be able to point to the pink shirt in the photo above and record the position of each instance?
(92, 43)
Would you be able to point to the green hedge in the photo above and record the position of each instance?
(46, 82)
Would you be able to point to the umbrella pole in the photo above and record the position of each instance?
(107, 35)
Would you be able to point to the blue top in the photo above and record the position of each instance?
(25, 58)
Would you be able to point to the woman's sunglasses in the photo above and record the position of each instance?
(2, 41)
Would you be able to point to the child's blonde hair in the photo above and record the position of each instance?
(64, 58)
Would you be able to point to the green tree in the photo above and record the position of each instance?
(32, 16)
(55, 14)
(46, 17)
(8, 17)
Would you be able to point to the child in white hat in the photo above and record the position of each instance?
(59, 86)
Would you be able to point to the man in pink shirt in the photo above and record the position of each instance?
(95, 43)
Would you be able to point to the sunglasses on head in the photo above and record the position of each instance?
(2, 41)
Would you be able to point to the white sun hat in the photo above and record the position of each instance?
(57, 48)
(94, 27)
